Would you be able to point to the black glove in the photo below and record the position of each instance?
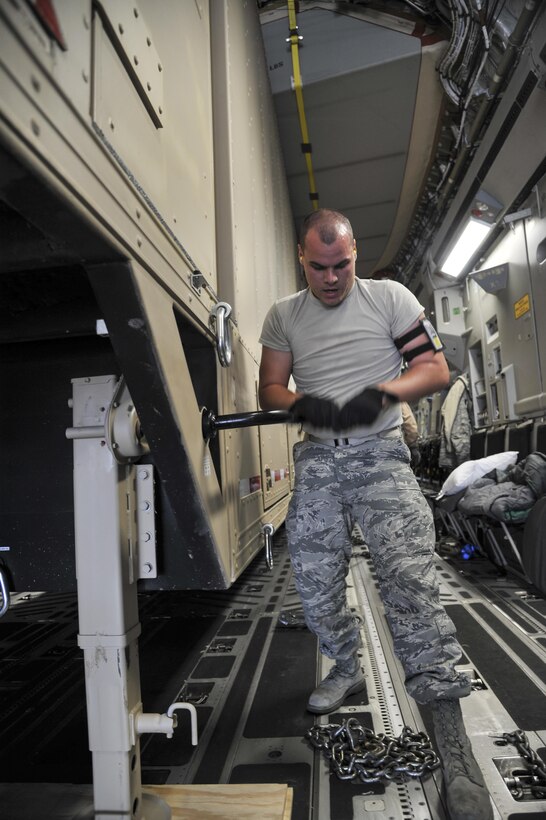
(363, 408)
(415, 456)
(318, 412)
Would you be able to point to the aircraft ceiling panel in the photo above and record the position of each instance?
(370, 181)
(334, 44)
(365, 114)
(360, 83)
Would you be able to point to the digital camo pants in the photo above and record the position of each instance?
(372, 484)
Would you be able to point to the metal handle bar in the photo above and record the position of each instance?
(211, 423)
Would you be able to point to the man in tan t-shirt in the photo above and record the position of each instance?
(343, 341)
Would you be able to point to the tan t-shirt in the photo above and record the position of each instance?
(338, 351)
(409, 424)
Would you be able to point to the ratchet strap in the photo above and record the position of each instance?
(294, 40)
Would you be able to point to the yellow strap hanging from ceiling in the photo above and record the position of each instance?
(294, 41)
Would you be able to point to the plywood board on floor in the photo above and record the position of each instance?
(262, 801)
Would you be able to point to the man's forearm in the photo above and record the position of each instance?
(421, 380)
(277, 397)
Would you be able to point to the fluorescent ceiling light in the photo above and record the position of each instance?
(466, 246)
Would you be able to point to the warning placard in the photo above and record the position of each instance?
(522, 306)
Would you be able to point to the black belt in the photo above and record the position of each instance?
(339, 442)
(392, 432)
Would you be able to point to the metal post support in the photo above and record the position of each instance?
(105, 508)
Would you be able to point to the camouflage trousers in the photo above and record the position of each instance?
(373, 485)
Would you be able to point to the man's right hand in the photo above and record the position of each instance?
(318, 412)
(415, 456)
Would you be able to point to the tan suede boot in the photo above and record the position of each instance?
(343, 679)
(466, 794)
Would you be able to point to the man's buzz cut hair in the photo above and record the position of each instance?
(329, 225)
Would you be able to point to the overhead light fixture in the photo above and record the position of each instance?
(477, 226)
(473, 235)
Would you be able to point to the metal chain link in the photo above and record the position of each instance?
(356, 752)
(533, 780)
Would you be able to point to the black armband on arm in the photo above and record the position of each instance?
(433, 341)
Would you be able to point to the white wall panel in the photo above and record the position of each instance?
(256, 245)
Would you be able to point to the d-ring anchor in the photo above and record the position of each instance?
(219, 322)
(268, 531)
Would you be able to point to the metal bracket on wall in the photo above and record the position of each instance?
(145, 515)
